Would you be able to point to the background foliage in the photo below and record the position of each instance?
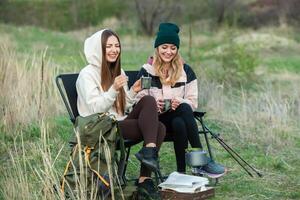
(58, 15)
(73, 14)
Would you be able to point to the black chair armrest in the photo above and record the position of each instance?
(199, 114)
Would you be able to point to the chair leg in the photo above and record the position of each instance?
(205, 137)
(123, 166)
(231, 152)
(158, 177)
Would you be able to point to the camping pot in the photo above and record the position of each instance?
(196, 158)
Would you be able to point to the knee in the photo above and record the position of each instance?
(148, 100)
(185, 108)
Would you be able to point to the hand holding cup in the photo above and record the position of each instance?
(160, 105)
(146, 82)
(174, 103)
(137, 86)
(167, 104)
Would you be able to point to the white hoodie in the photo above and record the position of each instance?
(91, 97)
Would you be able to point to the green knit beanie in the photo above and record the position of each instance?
(167, 34)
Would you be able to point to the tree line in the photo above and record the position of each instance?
(74, 14)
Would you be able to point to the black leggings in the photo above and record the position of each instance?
(142, 125)
(182, 127)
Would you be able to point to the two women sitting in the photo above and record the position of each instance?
(102, 87)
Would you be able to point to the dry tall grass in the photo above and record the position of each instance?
(39, 176)
(28, 96)
(268, 116)
(32, 172)
(27, 88)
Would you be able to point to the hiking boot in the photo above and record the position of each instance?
(149, 157)
(211, 169)
(147, 191)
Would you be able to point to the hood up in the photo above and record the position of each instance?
(93, 49)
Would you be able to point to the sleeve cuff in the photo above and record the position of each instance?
(112, 92)
(132, 93)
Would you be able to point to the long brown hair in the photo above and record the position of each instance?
(175, 71)
(109, 71)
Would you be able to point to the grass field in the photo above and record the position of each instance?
(258, 118)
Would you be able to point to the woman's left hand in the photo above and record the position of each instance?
(175, 103)
(137, 86)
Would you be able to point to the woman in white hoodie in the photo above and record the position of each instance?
(102, 87)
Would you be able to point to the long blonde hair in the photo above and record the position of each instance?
(175, 71)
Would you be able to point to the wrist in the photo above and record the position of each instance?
(113, 89)
(135, 90)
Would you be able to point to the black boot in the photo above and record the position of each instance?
(147, 190)
(149, 157)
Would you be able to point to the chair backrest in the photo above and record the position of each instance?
(132, 77)
(66, 84)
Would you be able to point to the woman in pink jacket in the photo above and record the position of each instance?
(174, 83)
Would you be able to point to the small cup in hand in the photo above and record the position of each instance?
(167, 104)
(146, 82)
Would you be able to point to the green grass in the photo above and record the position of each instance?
(132, 62)
(63, 128)
(287, 63)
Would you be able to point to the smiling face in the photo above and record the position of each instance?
(167, 52)
(112, 49)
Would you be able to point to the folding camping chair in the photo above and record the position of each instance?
(66, 84)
